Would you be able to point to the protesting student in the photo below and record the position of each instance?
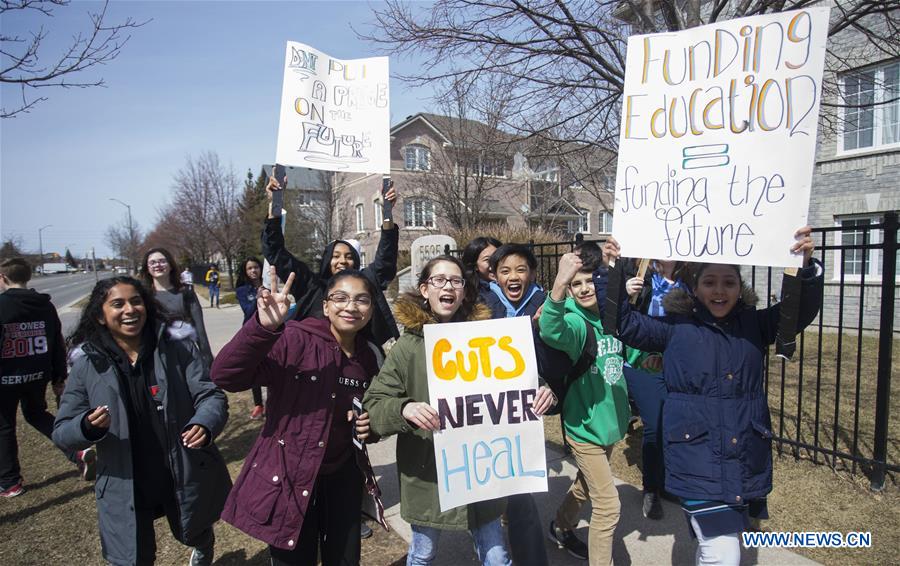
(187, 278)
(716, 422)
(249, 281)
(300, 490)
(397, 403)
(595, 409)
(476, 257)
(142, 394)
(309, 289)
(515, 293)
(646, 385)
(32, 354)
(212, 283)
(159, 274)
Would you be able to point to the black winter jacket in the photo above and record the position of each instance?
(309, 288)
(31, 342)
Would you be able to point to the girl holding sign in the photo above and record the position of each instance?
(716, 423)
(300, 488)
(397, 404)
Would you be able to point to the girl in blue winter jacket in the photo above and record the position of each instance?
(716, 423)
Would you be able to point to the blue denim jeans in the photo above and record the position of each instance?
(213, 295)
(488, 543)
(526, 534)
(649, 393)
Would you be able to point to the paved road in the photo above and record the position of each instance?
(65, 289)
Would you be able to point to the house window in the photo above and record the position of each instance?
(362, 260)
(418, 213)
(609, 182)
(546, 171)
(485, 166)
(853, 233)
(360, 218)
(379, 212)
(582, 224)
(418, 158)
(871, 117)
(604, 226)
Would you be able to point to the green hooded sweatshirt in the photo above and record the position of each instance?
(595, 409)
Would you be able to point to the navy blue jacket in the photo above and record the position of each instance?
(716, 423)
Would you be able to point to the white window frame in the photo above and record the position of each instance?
(360, 218)
(873, 262)
(379, 212)
(604, 222)
(420, 158)
(427, 214)
(879, 109)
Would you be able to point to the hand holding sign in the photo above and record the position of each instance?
(421, 415)
(804, 244)
(544, 401)
(273, 306)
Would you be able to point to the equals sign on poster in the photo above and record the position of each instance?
(702, 156)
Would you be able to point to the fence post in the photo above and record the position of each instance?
(885, 346)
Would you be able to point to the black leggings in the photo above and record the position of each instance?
(332, 521)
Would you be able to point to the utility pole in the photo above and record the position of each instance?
(41, 245)
(130, 234)
(94, 261)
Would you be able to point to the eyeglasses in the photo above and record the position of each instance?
(155, 262)
(342, 301)
(439, 282)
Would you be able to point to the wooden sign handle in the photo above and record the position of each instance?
(643, 265)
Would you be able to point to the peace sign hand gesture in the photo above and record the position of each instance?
(272, 306)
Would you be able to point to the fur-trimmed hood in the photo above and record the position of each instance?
(410, 312)
(680, 302)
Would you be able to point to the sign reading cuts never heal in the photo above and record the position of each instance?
(335, 113)
(483, 379)
(718, 137)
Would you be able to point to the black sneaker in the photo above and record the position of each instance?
(652, 508)
(566, 539)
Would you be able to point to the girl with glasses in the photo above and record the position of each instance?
(300, 490)
(160, 274)
(397, 402)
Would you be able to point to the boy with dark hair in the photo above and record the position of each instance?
(32, 353)
(515, 293)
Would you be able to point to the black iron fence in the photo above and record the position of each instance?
(833, 402)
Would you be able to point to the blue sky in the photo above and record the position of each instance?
(200, 76)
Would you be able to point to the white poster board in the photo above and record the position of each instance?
(482, 379)
(718, 139)
(335, 113)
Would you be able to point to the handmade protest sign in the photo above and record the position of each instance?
(334, 112)
(718, 137)
(482, 379)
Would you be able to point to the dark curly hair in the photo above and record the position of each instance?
(89, 328)
(242, 278)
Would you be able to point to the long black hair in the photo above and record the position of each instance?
(473, 249)
(89, 328)
(174, 272)
(242, 278)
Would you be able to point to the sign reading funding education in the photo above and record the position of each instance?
(483, 379)
(334, 113)
(718, 138)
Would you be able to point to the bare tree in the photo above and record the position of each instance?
(468, 174)
(26, 64)
(205, 209)
(125, 239)
(318, 216)
(563, 61)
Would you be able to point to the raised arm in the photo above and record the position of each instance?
(274, 251)
(384, 266)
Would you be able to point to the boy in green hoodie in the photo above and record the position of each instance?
(595, 409)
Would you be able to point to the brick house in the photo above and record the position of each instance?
(510, 186)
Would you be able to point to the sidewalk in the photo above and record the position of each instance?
(637, 541)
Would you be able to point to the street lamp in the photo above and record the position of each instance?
(41, 244)
(130, 231)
